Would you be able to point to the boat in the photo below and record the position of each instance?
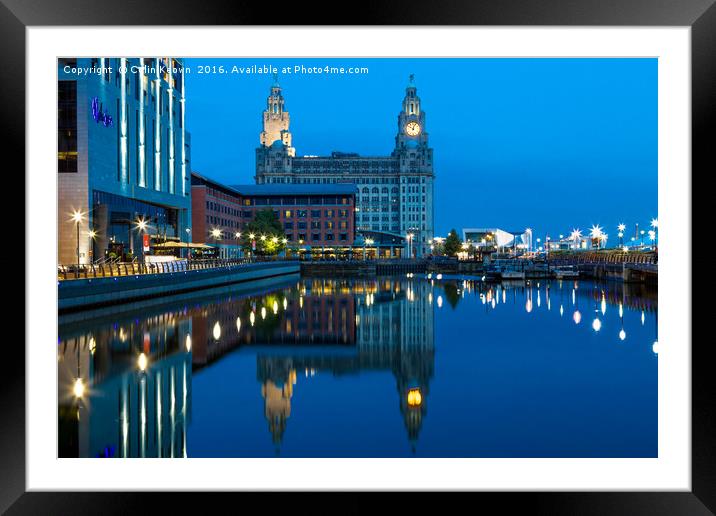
(512, 275)
(566, 272)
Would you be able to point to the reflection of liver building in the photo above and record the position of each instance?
(395, 191)
(394, 332)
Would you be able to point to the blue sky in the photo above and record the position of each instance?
(550, 144)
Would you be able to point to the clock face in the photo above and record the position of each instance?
(412, 128)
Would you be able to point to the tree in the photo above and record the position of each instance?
(267, 225)
(453, 244)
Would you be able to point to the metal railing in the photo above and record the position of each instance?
(600, 258)
(115, 269)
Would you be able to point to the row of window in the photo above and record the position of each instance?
(288, 214)
(316, 224)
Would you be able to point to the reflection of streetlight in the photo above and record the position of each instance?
(142, 362)
(415, 399)
(409, 237)
(78, 388)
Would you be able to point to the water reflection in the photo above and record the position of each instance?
(125, 383)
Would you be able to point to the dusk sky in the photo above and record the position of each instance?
(549, 144)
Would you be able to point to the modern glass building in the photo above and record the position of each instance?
(123, 157)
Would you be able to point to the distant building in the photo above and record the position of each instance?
(395, 192)
(311, 215)
(499, 239)
(123, 156)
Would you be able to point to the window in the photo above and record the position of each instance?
(315, 213)
(316, 224)
(67, 126)
(329, 224)
(329, 236)
(316, 237)
(301, 214)
(288, 225)
(329, 213)
(287, 214)
(343, 236)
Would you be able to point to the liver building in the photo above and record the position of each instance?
(395, 193)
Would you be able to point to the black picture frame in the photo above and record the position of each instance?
(699, 15)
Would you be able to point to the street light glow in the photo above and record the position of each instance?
(78, 388)
(77, 216)
(141, 224)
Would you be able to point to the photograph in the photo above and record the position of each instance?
(357, 257)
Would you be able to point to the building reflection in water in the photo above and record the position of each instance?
(125, 385)
(124, 390)
(336, 326)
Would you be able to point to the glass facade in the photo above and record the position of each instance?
(67, 126)
(116, 221)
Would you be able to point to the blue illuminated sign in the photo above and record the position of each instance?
(99, 116)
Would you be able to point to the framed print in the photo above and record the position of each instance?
(417, 253)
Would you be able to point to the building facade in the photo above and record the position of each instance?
(395, 192)
(311, 215)
(123, 156)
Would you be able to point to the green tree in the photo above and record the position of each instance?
(268, 233)
(453, 244)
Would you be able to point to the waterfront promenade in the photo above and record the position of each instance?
(96, 291)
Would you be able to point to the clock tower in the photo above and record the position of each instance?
(415, 161)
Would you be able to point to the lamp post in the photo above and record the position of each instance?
(77, 217)
(92, 234)
(216, 233)
(141, 224)
(655, 229)
(368, 241)
(238, 244)
(188, 239)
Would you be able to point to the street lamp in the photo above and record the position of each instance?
(141, 225)
(238, 243)
(655, 225)
(621, 228)
(92, 234)
(596, 234)
(216, 233)
(77, 217)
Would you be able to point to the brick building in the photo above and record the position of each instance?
(311, 215)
